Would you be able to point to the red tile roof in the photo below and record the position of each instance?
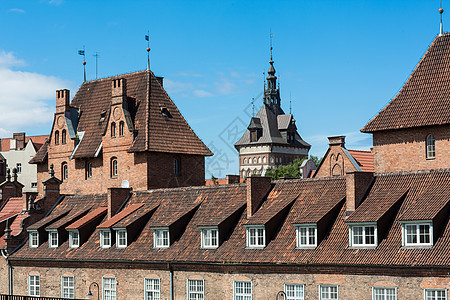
(364, 159)
(119, 216)
(424, 100)
(38, 141)
(92, 215)
(41, 154)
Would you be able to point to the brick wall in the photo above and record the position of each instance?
(405, 149)
(4, 288)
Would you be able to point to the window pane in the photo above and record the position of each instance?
(357, 235)
(370, 235)
(312, 236)
(411, 235)
(424, 232)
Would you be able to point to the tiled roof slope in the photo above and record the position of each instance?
(41, 154)
(425, 98)
(154, 132)
(364, 159)
(11, 208)
(38, 141)
(311, 195)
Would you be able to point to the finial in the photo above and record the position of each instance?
(52, 171)
(271, 48)
(7, 230)
(8, 174)
(14, 174)
(147, 38)
(83, 53)
(441, 29)
(253, 107)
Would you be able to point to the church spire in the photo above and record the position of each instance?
(271, 92)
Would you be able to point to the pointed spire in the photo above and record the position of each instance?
(441, 29)
(147, 38)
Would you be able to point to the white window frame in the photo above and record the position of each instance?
(113, 289)
(242, 295)
(35, 288)
(119, 243)
(385, 290)
(351, 230)
(295, 285)
(254, 242)
(102, 238)
(434, 296)
(74, 242)
(30, 237)
(328, 286)
(68, 292)
(159, 240)
(195, 294)
(156, 292)
(417, 225)
(19, 168)
(308, 227)
(207, 239)
(51, 243)
(430, 146)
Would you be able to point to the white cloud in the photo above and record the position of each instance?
(56, 2)
(26, 99)
(203, 94)
(18, 10)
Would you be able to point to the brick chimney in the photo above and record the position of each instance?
(51, 190)
(20, 140)
(116, 197)
(357, 183)
(257, 188)
(27, 200)
(62, 101)
(11, 188)
(233, 179)
(336, 141)
(118, 90)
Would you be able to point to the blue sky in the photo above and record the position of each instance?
(339, 61)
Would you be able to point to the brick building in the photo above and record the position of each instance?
(121, 130)
(272, 138)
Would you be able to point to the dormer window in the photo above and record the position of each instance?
(105, 238)
(363, 235)
(306, 236)
(417, 234)
(74, 239)
(210, 238)
(161, 238)
(121, 238)
(253, 136)
(430, 147)
(256, 237)
(53, 238)
(34, 239)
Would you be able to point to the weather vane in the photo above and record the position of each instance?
(147, 38)
(83, 53)
(271, 36)
(441, 11)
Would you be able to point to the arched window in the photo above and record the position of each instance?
(121, 128)
(64, 171)
(56, 137)
(430, 147)
(245, 160)
(176, 167)
(63, 137)
(243, 173)
(248, 173)
(254, 160)
(113, 129)
(114, 167)
(259, 160)
(264, 160)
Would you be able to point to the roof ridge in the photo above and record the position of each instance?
(114, 76)
(430, 171)
(187, 188)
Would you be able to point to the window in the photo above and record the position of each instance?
(210, 238)
(363, 236)
(245, 161)
(105, 238)
(264, 160)
(176, 167)
(152, 289)
(121, 128)
(88, 170)
(121, 236)
(195, 289)
(254, 160)
(109, 288)
(114, 170)
(34, 239)
(294, 291)
(256, 237)
(306, 236)
(63, 137)
(53, 239)
(161, 238)
(242, 290)
(74, 239)
(67, 287)
(34, 285)
(431, 147)
(64, 171)
(113, 130)
(56, 137)
(384, 294)
(417, 234)
(34, 185)
(434, 294)
(253, 136)
(327, 292)
(19, 168)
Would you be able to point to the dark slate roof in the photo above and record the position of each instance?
(424, 100)
(271, 129)
(312, 198)
(41, 154)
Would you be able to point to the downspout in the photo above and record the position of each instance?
(10, 278)
(171, 281)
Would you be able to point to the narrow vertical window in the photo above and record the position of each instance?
(196, 289)
(105, 238)
(64, 171)
(430, 147)
(121, 237)
(109, 288)
(113, 129)
(53, 239)
(152, 289)
(176, 167)
(74, 239)
(34, 285)
(67, 287)
(114, 170)
(19, 168)
(63, 137)
(34, 239)
(56, 137)
(88, 170)
(121, 128)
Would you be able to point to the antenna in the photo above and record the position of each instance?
(253, 107)
(441, 29)
(83, 53)
(96, 55)
(271, 36)
(147, 38)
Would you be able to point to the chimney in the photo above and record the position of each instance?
(10, 189)
(357, 183)
(118, 90)
(116, 197)
(20, 139)
(257, 188)
(62, 101)
(232, 179)
(336, 141)
(51, 190)
(160, 80)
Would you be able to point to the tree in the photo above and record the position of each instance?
(292, 170)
